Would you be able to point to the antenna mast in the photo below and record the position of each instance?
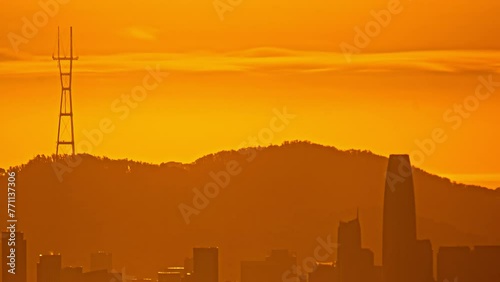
(65, 135)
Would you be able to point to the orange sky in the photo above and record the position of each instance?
(227, 76)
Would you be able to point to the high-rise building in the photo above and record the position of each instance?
(48, 269)
(399, 222)
(101, 261)
(461, 264)
(485, 263)
(206, 264)
(354, 263)
(424, 261)
(454, 264)
(324, 272)
(19, 253)
(349, 251)
(378, 274)
(367, 265)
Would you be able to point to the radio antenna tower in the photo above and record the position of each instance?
(65, 135)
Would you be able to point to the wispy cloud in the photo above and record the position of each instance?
(9, 55)
(141, 33)
(270, 60)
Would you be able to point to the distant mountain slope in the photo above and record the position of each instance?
(280, 197)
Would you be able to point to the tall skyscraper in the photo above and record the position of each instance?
(399, 242)
(48, 269)
(101, 261)
(206, 264)
(349, 251)
(20, 257)
(354, 263)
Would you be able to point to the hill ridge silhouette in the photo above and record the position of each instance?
(207, 157)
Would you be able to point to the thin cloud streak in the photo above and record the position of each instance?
(266, 60)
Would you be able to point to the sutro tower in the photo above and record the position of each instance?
(65, 135)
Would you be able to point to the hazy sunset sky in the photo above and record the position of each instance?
(226, 77)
